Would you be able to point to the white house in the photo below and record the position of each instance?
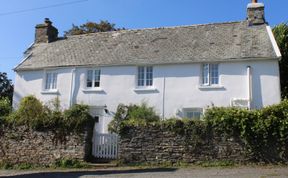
(178, 70)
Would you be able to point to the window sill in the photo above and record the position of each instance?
(50, 92)
(145, 89)
(210, 87)
(92, 90)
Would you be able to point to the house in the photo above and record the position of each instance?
(178, 70)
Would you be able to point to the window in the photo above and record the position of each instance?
(145, 76)
(93, 78)
(193, 113)
(51, 81)
(210, 74)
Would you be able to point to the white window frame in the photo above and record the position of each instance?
(146, 80)
(52, 85)
(93, 78)
(194, 111)
(208, 80)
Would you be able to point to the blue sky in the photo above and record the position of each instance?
(17, 29)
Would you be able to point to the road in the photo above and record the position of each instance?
(235, 172)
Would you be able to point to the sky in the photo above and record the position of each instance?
(19, 17)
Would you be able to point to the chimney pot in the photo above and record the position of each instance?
(46, 33)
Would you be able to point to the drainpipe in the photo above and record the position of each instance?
(249, 84)
(72, 89)
(163, 99)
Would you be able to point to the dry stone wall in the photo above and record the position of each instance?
(22, 145)
(157, 145)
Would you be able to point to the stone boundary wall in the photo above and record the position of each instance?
(157, 145)
(22, 145)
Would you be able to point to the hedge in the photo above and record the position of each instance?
(264, 132)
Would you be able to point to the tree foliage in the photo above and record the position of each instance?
(6, 86)
(281, 35)
(91, 27)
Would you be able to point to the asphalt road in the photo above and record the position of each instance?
(236, 172)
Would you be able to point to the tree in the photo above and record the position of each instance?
(91, 27)
(281, 35)
(6, 87)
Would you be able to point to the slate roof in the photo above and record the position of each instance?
(185, 44)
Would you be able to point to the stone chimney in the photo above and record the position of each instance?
(46, 33)
(255, 13)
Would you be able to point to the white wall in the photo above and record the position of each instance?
(181, 87)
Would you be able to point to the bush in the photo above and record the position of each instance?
(30, 113)
(33, 114)
(5, 107)
(265, 131)
(132, 115)
(77, 117)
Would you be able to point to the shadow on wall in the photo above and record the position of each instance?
(92, 173)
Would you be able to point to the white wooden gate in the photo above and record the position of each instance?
(105, 146)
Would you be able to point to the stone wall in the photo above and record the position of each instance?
(22, 145)
(154, 144)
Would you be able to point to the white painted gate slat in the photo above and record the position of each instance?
(105, 146)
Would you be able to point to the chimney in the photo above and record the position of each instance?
(255, 13)
(46, 33)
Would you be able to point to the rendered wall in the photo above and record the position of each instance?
(181, 83)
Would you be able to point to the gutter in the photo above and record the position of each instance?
(155, 63)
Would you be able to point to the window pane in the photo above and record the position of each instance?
(51, 81)
(54, 81)
(141, 76)
(149, 76)
(196, 115)
(189, 115)
(89, 78)
(97, 78)
(193, 113)
(48, 81)
(214, 74)
(205, 74)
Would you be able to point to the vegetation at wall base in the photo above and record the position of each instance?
(62, 163)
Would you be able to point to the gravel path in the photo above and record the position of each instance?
(235, 172)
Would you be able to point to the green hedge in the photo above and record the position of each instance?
(37, 116)
(264, 132)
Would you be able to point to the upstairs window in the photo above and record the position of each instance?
(210, 74)
(93, 78)
(145, 76)
(50, 81)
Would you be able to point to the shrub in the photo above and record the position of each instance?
(30, 113)
(77, 117)
(5, 107)
(132, 115)
(33, 114)
(264, 132)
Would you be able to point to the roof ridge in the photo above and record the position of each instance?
(155, 28)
